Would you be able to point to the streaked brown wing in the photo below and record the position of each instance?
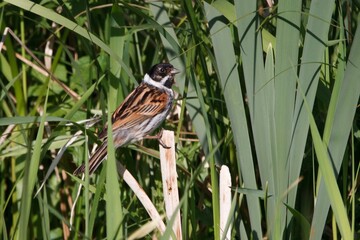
(141, 104)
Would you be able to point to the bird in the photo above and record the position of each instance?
(142, 111)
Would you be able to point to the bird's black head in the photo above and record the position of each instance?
(163, 73)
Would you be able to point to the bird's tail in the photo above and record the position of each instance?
(95, 160)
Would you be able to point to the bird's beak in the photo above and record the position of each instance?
(175, 71)
(172, 73)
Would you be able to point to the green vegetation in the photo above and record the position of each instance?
(271, 92)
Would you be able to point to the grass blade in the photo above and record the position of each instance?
(114, 211)
(230, 82)
(327, 171)
(339, 121)
(30, 176)
(313, 52)
(288, 37)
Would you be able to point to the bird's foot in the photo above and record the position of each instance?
(158, 137)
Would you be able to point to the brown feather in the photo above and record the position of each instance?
(142, 103)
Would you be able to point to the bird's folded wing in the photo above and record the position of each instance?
(143, 103)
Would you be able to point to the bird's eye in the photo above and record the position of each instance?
(162, 70)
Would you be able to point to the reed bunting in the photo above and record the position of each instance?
(142, 111)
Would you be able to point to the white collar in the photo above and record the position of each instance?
(149, 80)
